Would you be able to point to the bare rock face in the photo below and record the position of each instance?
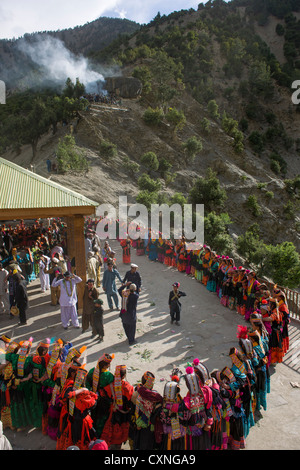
(124, 87)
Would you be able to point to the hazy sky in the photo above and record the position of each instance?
(18, 17)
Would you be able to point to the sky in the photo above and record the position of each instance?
(18, 17)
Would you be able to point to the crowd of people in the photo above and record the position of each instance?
(236, 286)
(104, 98)
(51, 388)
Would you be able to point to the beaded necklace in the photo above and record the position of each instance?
(65, 284)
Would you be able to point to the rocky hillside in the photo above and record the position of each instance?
(221, 70)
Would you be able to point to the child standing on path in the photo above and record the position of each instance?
(98, 328)
(174, 303)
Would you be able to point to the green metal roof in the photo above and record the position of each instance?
(23, 189)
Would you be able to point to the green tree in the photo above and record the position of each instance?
(192, 146)
(213, 109)
(69, 157)
(176, 118)
(144, 75)
(35, 124)
(73, 90)
(208, 191)
(150, 160)
(164, 167)
(153, 117)
(130, 167)
(166, 77)
(283, 265)
(260, 80)
(216, 232)
(108, 150)
(147, 198)
(253, 205)
(145, 182)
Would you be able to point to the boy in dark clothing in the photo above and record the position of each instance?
(174, 303)
(97, 319)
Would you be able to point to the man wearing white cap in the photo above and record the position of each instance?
(130, 297)
(133, 276)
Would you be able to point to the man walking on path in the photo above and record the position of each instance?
(174, 303)
(133, 276)
(68, 298)
(128, 311)
(109, 285)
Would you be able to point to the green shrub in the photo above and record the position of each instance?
(153, 117)
(176, 118)
(213, 109)
(278, 163)
(207, 190)
(69, 157)
(253, 205)
(257, 141)
(150, 160)
(147, 198)
(107, 149)
(192, 146)
(131, 167)
(145, 182)
(269, 195)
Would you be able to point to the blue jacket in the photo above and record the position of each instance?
(109, 281)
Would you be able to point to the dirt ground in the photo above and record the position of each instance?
(207, 331)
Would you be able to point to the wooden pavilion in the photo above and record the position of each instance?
(24, 195)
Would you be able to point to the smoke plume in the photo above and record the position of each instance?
(57, 63)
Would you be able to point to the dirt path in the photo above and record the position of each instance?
(207, 331)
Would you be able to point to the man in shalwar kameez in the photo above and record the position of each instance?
(68, 298)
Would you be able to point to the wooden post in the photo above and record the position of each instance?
(70, 237)
(80, 263)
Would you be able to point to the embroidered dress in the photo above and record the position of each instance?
(171, 414)
(152, 245)
(20, 396)
(126, 246)
(212, 277)
(196, 437)
(116, 428)
(252, 288)
(199, 266)
(38, 367)
(97, 382)
(160, 251)
(144, 435)
(140, 247)
(76, 425)
(285, 322)
(275, 340)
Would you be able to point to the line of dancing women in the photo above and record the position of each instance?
(51, 388)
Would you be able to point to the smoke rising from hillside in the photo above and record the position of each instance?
(58, 63)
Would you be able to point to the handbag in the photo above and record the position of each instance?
(14, 310)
